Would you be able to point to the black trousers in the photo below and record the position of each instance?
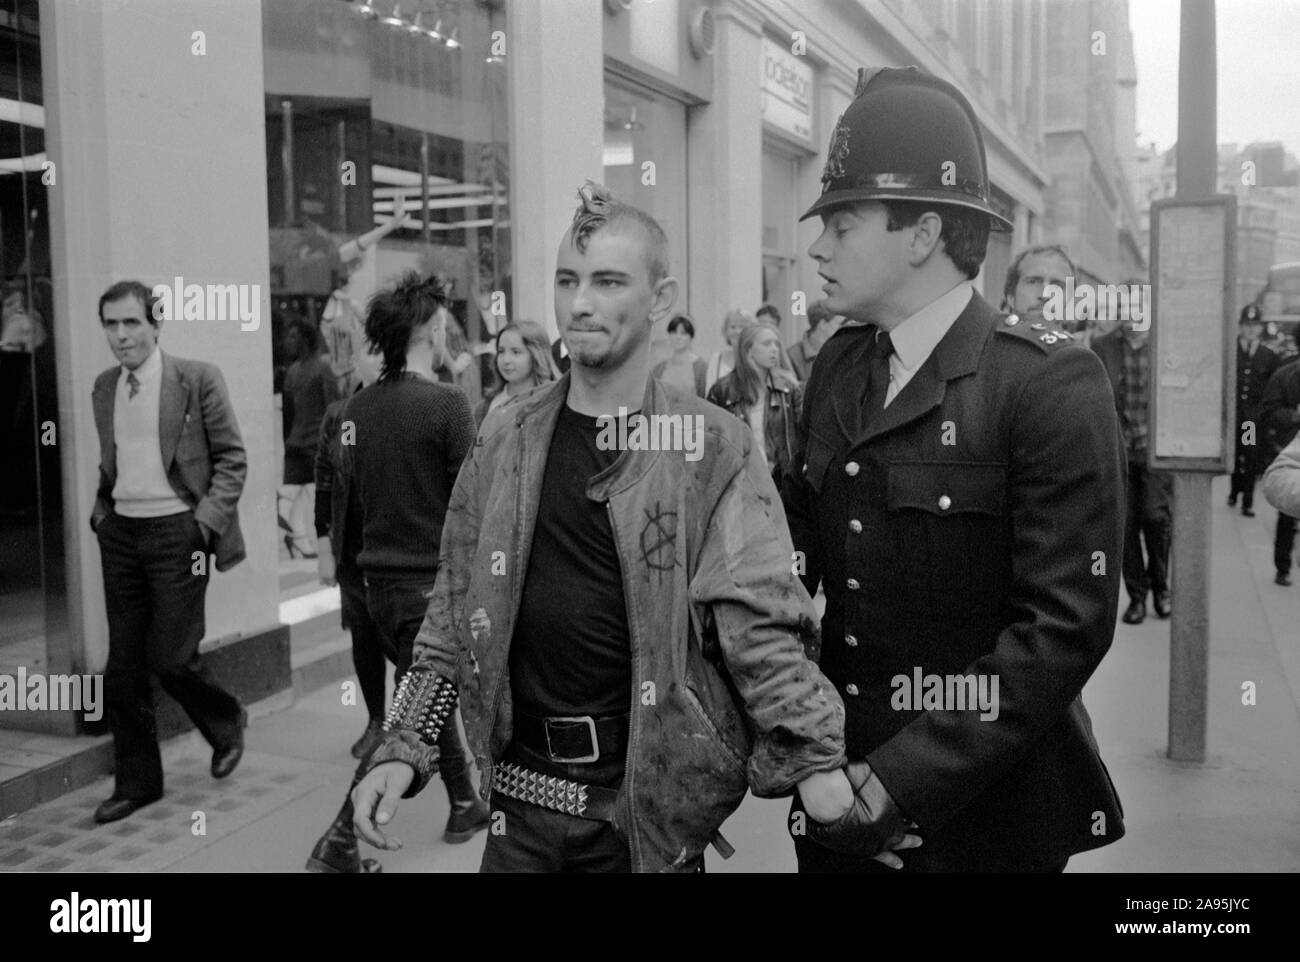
(1283, 543)
(1148, 523)
(816, 858)
(523, 837)
(154, 590)
(368, 654)
(397, 609)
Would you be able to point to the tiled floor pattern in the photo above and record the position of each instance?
(61, 836)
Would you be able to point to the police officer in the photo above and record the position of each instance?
(1255, 365)
(960, 498)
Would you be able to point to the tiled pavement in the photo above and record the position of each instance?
(196, 812)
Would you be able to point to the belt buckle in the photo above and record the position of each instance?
(591, 728)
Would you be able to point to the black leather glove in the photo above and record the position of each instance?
(871, 826)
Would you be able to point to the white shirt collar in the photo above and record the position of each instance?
(147, 372)
(915, 339)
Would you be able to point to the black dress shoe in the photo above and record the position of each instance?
(1232, 500)
(118, 808)
(1282, 579)
(225, 759)
(1136, 613)
(1162, 604)
(369, 740)
(1247, 511)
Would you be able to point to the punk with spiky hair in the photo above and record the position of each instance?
(394, 313)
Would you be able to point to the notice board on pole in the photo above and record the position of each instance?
(1193, 374)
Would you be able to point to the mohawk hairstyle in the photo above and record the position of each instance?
(600, 210)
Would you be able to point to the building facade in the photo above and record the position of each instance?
(1092, 140)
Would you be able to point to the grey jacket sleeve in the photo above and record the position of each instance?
(225, 448)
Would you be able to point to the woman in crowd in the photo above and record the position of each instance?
(723, 361)
(684, 370)
(309, 388)
(763, 395)
(523, 364)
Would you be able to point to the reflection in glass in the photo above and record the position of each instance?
(32, 593)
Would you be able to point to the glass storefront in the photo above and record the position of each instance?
(372, 110)
(644, 128)
(33, 595)
(780, 252)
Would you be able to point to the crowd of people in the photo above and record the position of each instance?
(630, 636)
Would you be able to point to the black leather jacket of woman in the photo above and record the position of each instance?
(780, 419)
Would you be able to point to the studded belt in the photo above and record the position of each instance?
(558, 794)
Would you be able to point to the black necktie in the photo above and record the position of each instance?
(133, 383)
(873, 401)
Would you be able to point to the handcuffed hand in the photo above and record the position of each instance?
(873, 825)
(374, 802)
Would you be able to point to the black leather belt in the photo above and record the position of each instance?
(572, 738)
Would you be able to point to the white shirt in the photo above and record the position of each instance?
(142, 489)
(916, 338)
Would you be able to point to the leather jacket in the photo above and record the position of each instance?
(726, 694)
(781, 436)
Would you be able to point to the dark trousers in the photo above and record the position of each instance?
(154, 599)
(1148, 523)
(397, 610)
(1283, 542)
(523, 837)
(368, 654)
(1243, 483)
(816, 858)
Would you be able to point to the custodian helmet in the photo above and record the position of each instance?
(907, 135)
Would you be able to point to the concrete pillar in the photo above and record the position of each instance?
(557, 133)
(724, 159)
(154, 118)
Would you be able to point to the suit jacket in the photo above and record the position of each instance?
(202, 450)
(973, 527)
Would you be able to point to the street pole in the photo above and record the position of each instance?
(1189, 635)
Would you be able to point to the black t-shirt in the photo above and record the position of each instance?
(571, 652)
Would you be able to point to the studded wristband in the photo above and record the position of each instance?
(423, 702)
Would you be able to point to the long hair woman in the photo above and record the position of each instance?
(763, 395)
(523, 363)
(723, 361)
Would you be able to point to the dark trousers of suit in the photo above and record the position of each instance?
(1283, 543)
(1148, 525)
(816, 858)
(1243, 483)
(154, 601)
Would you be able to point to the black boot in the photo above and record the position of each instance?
(469, 815)
(336, 852)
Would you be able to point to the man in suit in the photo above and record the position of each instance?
(172, 467)
(959, 499)
(1255, 365)
(1149, 494)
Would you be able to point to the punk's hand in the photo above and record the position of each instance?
(374, 802)
(874, 824)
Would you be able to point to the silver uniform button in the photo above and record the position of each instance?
(850, 641)
(945, 502)
(853, 584)
(850, 689)
(855, 526)
(851, 469)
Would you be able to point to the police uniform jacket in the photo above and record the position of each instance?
(974, 526)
